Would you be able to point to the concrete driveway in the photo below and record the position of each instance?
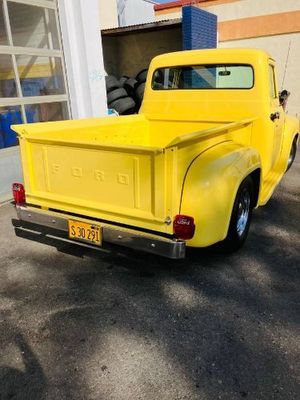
(125, 326)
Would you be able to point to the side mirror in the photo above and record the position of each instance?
(283, 98)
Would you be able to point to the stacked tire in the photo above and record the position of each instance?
(140, 88)
(125, 95)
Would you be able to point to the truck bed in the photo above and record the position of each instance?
(121, 169)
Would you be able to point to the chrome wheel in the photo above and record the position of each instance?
(244, 205)
(240, 217)
(292, 155)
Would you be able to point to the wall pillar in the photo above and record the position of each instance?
(81, 37)
(199, 29)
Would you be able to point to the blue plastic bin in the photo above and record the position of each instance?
(9, 118)
(1, 140)
(112, 112)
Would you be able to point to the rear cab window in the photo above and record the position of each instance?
(213, 76)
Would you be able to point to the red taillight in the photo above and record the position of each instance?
(184, 227)
(18, 193)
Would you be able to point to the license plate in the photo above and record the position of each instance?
(89, 233)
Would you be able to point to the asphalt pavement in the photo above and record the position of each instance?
(123, 325)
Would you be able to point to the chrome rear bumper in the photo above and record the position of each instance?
(170, 248)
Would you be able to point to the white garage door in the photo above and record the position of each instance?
(32, 76)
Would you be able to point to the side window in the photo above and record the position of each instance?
(273, 93)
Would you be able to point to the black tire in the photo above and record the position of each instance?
(157, 86)
(158, 77)
(123, 79)
(124, 106)
(292, 155)
(142, 75)
(139, 91)
(240, 218)
(130, 86)
(116, 94)
(111, 83)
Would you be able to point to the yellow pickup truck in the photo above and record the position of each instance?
(210, 143)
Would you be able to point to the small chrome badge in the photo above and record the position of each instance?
(168, 221)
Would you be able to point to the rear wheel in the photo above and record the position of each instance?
(292, 155)
(240, 217)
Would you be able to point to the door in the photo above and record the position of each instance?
(277, 116)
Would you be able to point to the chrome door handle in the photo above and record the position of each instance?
(275, 115)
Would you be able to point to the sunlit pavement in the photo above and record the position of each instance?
(125, 325)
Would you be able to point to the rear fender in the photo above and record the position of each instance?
(210, 187)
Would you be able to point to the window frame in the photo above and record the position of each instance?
(14, 51)
(272, 82)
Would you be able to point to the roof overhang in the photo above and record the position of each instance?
(148, 27)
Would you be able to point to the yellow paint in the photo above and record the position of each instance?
(186, 152)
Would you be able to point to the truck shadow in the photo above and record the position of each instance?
(27, 383)
(205, 319)
(214, 326)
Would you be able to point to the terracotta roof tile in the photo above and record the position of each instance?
(179, 3)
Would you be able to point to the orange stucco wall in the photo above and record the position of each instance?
(266, 25)
(202, 5)
(251, 27)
